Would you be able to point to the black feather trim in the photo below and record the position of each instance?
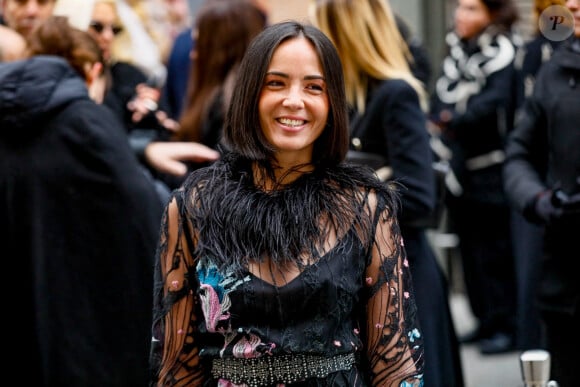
(235, 221)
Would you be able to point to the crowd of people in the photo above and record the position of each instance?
(195, 195)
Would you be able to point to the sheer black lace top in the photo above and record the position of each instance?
(315, 268)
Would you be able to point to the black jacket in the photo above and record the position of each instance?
(542, 153)
(394, 127)
(78, 230)
(543, 149)
(478, 86)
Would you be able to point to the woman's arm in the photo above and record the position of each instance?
(174, 354)
(394, 344)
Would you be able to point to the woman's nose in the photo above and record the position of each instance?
(293, 100)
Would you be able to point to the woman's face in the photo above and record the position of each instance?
(471, 17)
(293, 103)
(104, 26)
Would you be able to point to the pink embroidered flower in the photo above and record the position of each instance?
(379, 325)
(175, 284)
(369, 280)
(180, 331)
(406, 294)
(356, 331)
(337, 343)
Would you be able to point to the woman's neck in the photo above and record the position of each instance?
(279, 176)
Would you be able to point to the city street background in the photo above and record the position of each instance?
(501, 370)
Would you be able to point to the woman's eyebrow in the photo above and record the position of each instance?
(284, 75)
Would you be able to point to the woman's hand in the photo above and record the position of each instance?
(170, 157)
(145, 101)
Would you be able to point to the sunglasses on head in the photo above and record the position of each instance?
(100, 27)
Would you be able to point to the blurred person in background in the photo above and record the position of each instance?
(535, 52)
(138, 44)
(79, 215)
(179, 62)
(528, 236)
(156, 156)
(163, 20)
(223, 29)
(135, 102)
(178, 65)
(473, 106)
(25, 15)
(222, 33)
(542, 179)
(388, 121)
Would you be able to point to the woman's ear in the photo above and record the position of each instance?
(93, 72)
(95, 81)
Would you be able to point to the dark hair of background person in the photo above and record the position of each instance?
(56, 37)
(242, 127)
(224, 28)
(503, 13)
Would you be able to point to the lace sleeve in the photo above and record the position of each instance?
(174, 357)
(394, 345)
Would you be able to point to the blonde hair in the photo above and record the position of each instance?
(121, 48)
(369, 42)
(540, 6)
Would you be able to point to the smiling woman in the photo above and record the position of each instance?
(294, 104)
(279, 263)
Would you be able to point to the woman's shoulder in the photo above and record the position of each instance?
(394, 91)
(127, 73)
(395, 87)
(392, 85)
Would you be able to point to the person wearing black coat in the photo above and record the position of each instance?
(473, 105)
(527, 236)
(542, 179)
(393, 127)
(79, 223)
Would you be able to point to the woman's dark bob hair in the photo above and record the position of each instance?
(242, 131)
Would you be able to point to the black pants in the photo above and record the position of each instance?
(563, 343)
(485, 245)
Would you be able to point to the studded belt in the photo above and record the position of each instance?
(267, 370)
